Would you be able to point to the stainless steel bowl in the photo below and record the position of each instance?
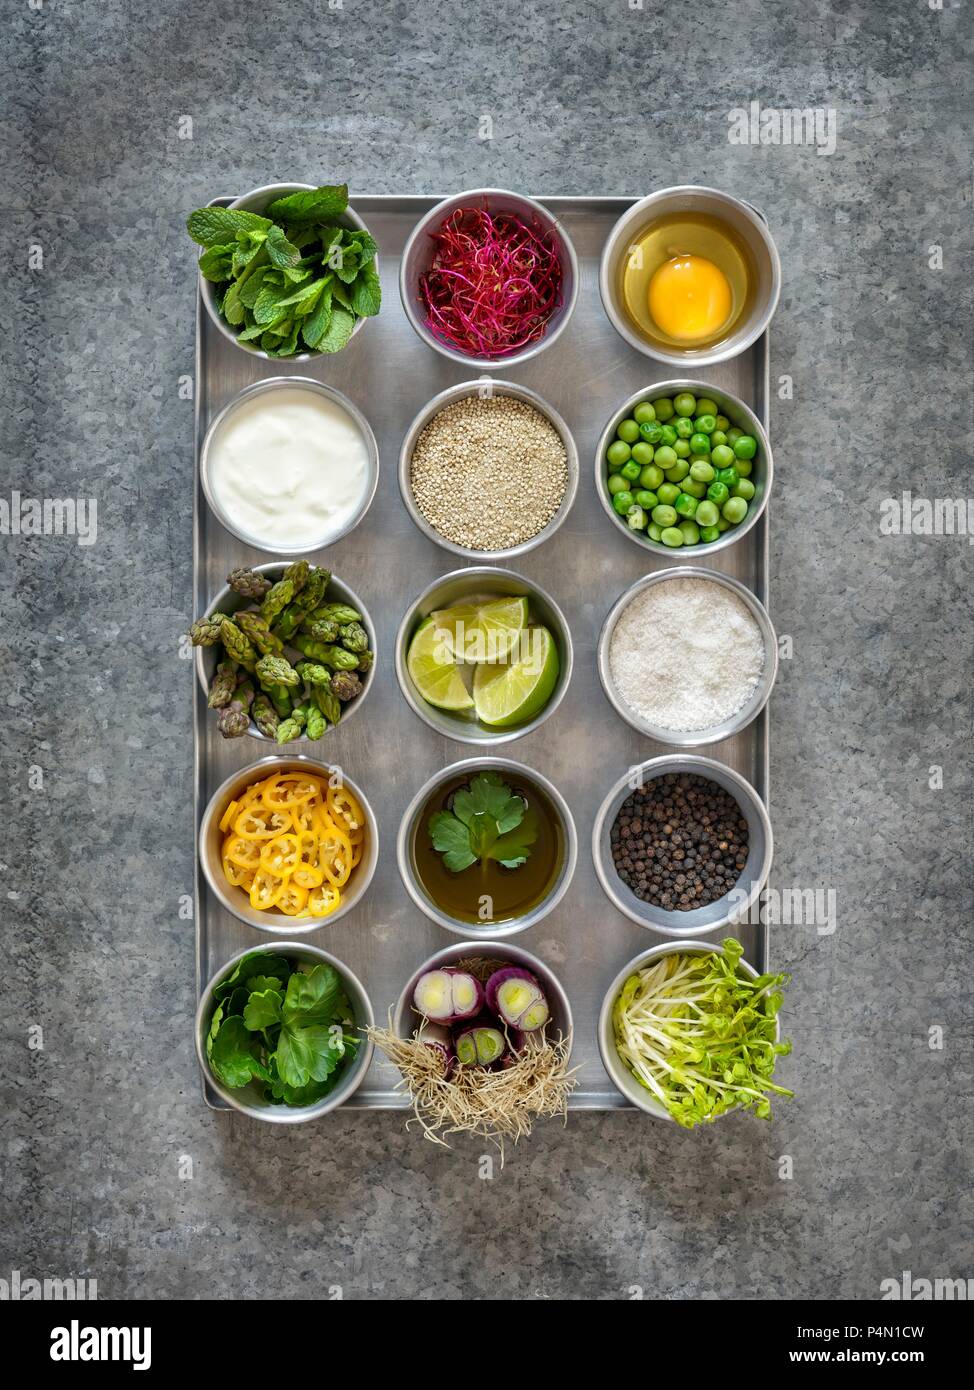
(290, 383)
(235, 900)
(418, 253)
(249, 1100)
(696, 738)
(745, 220)
(408, 826)
(228, 601)
(619, 1074)
(406, 1020)
(736, 903)
(486, 388)
(739, 414)
(458, 587)
(257, 201)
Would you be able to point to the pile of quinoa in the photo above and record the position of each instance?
(489, 473)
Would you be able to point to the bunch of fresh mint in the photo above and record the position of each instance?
(294, 279)
(284, 1026)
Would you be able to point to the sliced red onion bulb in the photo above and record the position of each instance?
(480, 1046)
(448, 996)
(516, 996)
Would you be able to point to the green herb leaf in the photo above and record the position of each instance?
(367, 293)
(235, 1054)
(512, 849)
(216, 262)
(308, 1054)
(322, 204)
(217, 226)
(451, 838)
(263, 1010)
(488, 821)
(314, 996)
(317, 322)
(489, 795)
(281, 251)
(256, 965)
(339, 330)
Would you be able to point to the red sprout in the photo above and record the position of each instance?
(493, 283)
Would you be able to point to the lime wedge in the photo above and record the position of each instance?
(516, 692)
(483, 632)
(434, 672)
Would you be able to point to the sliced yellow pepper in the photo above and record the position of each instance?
(245, 853)
(228, 815)
(292, 899)
(323, 901)
(280, 855)
(266, 889)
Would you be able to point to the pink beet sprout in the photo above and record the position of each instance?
(493, 283)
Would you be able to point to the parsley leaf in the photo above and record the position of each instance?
(487, 821)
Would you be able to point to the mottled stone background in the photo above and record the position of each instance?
(587, 96)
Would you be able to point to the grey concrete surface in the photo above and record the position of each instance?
(96, 749)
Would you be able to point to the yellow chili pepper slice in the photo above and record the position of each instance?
(344, 809)
(335, 857)
(266, 889)
(235, 874)
(245, 853)
(280, 855)
(292, 898)
(256, 825)
(229, 814)
(323, 901)
(307, 876)
(288, 789)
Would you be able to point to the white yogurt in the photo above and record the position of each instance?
(289, 468)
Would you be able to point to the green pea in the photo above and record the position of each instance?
(701, 471)
(618, 453)
(709, 533)
(642, 453)
(682, 449)
(686, 505)
(653, 531)
(745, 489)
(718, 492)
(722, 422)
(664, 516)
(644, 413)
(695, 489)
(706, 424)
(678, 472)
(734, 509)
(707, 514)
(672, 536)
(628, 431)
(700, 443)
(691, 532)
(622, 502)
(734, 434)
(665, 457)
(668, 435)
(744, 467)
(664, 408)
(616, 484)
(630, 471)
(645, 498)
(651, 431)
(723, 525)
(727, 476)
(651, 476)
(705, 406)
(722, 456)
(717, 437)
(668, 493)
(684, 427)
(636, 518)
(745, 447)
(685, 403)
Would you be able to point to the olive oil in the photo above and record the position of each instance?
(698, 275)
(486, 892)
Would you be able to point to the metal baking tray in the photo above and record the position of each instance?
(390, 374)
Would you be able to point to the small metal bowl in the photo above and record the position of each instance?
(406, 1020)
(249, 1100)
(418, 253)
(750, 226)
(486, 388)
(455, 588)
(228, 601)
(290, 383)
(409, 825)
(691, 738)
(258, 201)
(619, 1074)
(235, 900)
(737, 901)
(739, 414)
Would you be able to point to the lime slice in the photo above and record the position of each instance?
(433, 671)
(516, 692)
(479, 632)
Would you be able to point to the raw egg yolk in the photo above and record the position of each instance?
(689, 298)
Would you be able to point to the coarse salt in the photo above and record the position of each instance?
(686, 654)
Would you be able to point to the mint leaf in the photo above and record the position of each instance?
(317, 322)
(280, 250)
(263, 1010)
(215, 263)
(451, 838)
(217, 226)
(367, 293)
(233, 310)
(367, 245)
(311, 205)
(234, 1055)
(339, 330)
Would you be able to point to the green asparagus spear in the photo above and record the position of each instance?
(249, 583)
(223, 685)
(234, 719)
(365, 661)
(327, 702)
(206, 632)
(279, 696)
(304, 603)
(317, 723)
(290, 729)
(338, 613)
(237, 645)
(298, 573)
(277, 670)
(321, 629)
(276, 600)
(336, 657)
(345, 685)
(313, 672)
(353, 637)
(265, 715)
(259, 633)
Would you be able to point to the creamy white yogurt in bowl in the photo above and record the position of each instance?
(289, 465)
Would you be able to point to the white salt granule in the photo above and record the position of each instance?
(686, 654)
